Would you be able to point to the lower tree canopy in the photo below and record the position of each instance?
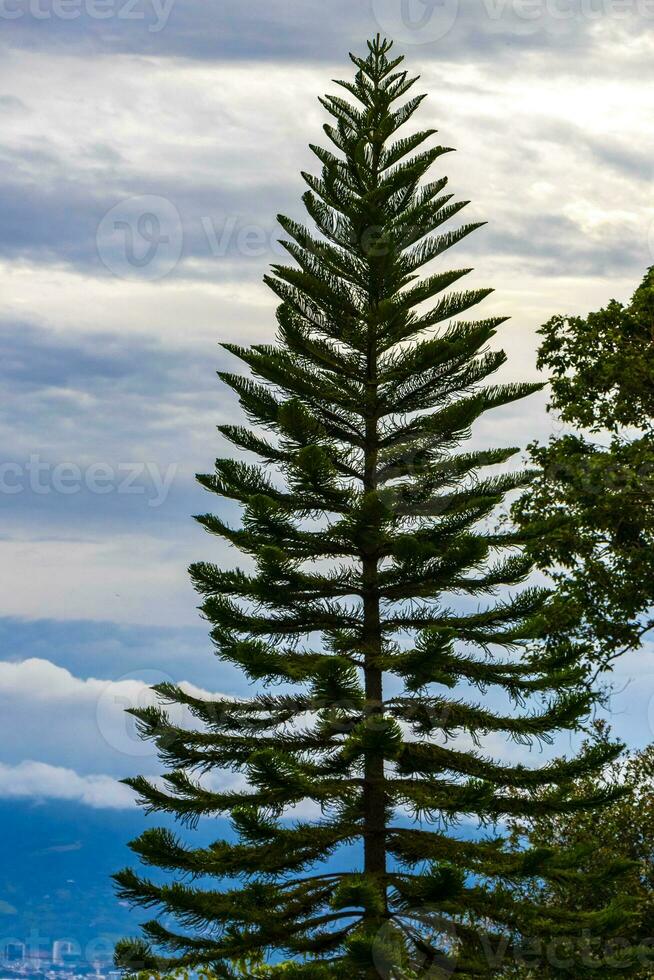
(623, 832)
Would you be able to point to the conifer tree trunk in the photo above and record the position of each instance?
(374, 795)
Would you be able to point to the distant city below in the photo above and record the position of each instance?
(64, 960)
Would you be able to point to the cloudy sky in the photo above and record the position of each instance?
(146, 147)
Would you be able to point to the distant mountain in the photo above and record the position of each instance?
(55, 865)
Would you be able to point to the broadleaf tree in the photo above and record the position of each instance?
(589, 515)
(624, 832)
(377, 598)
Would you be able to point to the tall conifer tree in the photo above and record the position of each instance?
(363, 523)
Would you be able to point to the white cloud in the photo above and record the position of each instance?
(75, 726)
(125, 579)
(180, 312)
(41, 680)
(164, 117)
(39, 781)
(50, 714)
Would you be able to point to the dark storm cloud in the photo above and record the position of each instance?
(122, 375)
(627, 159)
(110, 648)
(10, 103)
(94, 400)
(36, 358)
(632, 162)
(59, 218)
(199, 29)
(558, 246)
(213, 30)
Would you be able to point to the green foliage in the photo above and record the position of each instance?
(590, 513)
(603, 365)
(619, 835)
(374, 599)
